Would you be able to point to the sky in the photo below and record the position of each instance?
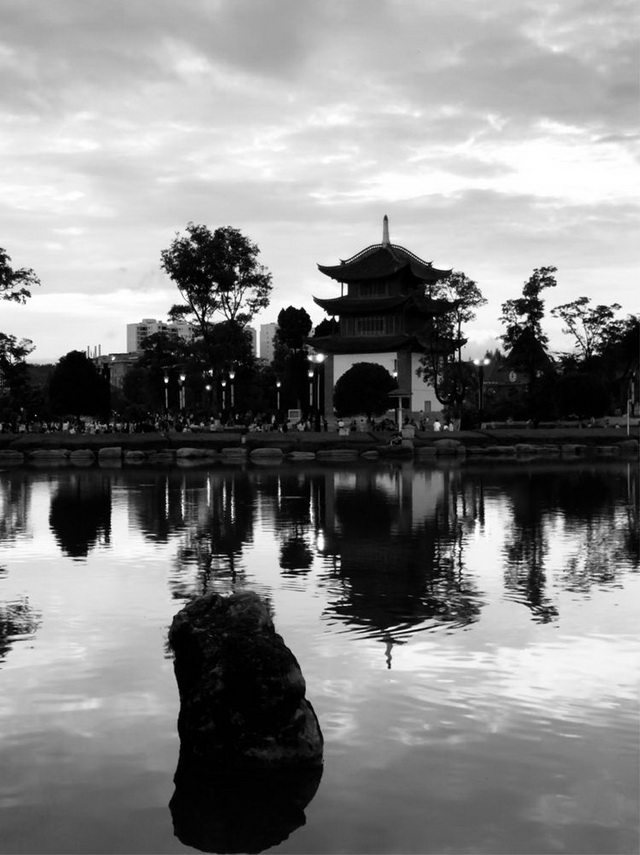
(499, 136)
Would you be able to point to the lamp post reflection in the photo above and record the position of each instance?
(480, 365)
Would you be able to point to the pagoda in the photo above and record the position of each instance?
(385, 316)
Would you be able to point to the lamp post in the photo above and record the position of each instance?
(182, 378)
(232, 377)
(223, 383)
(310, 376)
(278, 385)
(166, 394)
(480, 364)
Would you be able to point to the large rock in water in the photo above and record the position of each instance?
(242, 693)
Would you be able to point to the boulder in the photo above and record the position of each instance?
(242, 693)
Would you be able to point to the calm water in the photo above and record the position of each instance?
(469, 638)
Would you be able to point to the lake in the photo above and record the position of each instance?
(468, 633)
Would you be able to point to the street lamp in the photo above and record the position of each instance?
(182, 378)
(278, 385)
(232, 377)
(166, 394)
(480, 365)
(310, 376)
(223, 383)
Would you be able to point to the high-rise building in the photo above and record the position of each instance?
(149, 326)
(267, 336)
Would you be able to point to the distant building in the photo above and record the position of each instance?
(115, 366)
(149, 326)
(267, 336)
(254, 340)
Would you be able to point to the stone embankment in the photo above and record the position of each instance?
(273, 448)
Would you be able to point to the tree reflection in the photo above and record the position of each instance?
(18, 621)
(293, 506)
(80, 512)
(219, 510)
(15, 495)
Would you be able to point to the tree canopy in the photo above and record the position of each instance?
(442, 364)
(293, 327)
(364, 388)
(15, 285)
(592, 327)
(216, 273)
(525, 313)
(76, 387)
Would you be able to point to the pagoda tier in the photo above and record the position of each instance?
(382, 261)
(382, 305)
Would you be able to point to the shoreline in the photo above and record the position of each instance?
(228, 445)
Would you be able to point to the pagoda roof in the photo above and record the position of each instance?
(382, 260)
(358, 305)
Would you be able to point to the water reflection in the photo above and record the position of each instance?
(394, 540)
(80, 513)
(18, 621)
(242, 813)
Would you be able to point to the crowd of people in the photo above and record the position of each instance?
(188, 422)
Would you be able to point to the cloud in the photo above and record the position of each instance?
(497, 136)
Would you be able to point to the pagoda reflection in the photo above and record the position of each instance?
(393, 546)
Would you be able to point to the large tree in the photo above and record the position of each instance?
(15, 389)
(15, 285)
(592, 327)
(217, 274)
(525, 313)
(363, 389)
(290, 356)
(442, 365)
(76, 387)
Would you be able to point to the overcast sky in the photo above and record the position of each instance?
(498, 136)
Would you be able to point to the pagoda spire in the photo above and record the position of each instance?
(385, 231)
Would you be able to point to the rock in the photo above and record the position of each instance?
(135, 456)
(8, 455)
(300, 456)
(242, 693)
(49, 454)
(337, 454)
(110, 452)
(448, 446)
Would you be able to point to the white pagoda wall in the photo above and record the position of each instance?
(422, 393)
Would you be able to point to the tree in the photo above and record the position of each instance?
(364, 388)
(592, 327)
(290, 357)
(442, 364)
(294, 326)
(16, 393)
(466, 297)
(15, 285)
(216, 273)
(526, 312)
(77, 387)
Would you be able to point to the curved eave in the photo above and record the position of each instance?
(379, 261)
(356, 306)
